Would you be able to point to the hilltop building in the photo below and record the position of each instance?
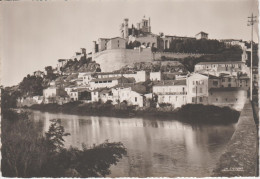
(136, 44)
(201, 35)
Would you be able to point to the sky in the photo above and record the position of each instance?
(35, 33)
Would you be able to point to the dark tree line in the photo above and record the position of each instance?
(196, 46)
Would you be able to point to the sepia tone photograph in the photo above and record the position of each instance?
(120, 88)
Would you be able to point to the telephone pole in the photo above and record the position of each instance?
(251, 21)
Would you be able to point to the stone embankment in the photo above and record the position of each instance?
(241, 155)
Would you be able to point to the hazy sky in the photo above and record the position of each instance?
(36, 34)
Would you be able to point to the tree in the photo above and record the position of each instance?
(55, 135)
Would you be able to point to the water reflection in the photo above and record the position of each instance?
(155, 147)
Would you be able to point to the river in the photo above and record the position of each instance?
(166, 148)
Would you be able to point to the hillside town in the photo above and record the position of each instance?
(110, 76)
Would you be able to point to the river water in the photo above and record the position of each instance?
(166, 148)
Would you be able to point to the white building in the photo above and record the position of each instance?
(233, 66)
(107, 82)
(87, 77)
(129, 94)
(232, 97)
(156, 76)
(50, 92)
(171, 91)
(139, 76)
(197, 88)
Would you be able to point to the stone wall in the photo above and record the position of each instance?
(114, 59)
(159, 55)
(241, 154)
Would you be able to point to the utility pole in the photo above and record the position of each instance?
(251, 21)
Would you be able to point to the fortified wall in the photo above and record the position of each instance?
(114, 59)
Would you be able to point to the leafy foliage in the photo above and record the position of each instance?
(27, 153)
(55, 135)
(9, 98)
(31, 85)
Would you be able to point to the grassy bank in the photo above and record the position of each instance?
(191, 113)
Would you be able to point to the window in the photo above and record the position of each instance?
(236, 99)
(193, 82)
(223, 79)
(216, 99)
(193, 99)
(226, 99)
(229, 85)
(201, 99)
(194, 90)
(135, 99)
(200, 90)
(229, 80)
(176, 98)
(215, 83)
(96, 81)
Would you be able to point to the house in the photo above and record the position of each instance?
(155, 76)
(243, 82)
(132, 94)
(173, 92)
(68, 89)
(232, 66)
(139, 76)
(80, 94)
(197, 88)
(107, 82)
(87, 77)
(105, 95)
(38, 99)
(228, 81)
(232, 97)
(29, 101)
(50, 92)
(201, 35)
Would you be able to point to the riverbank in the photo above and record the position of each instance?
(190, 113)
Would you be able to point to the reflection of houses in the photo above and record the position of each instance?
(233, 97)
(197, 88)
(171, 91)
